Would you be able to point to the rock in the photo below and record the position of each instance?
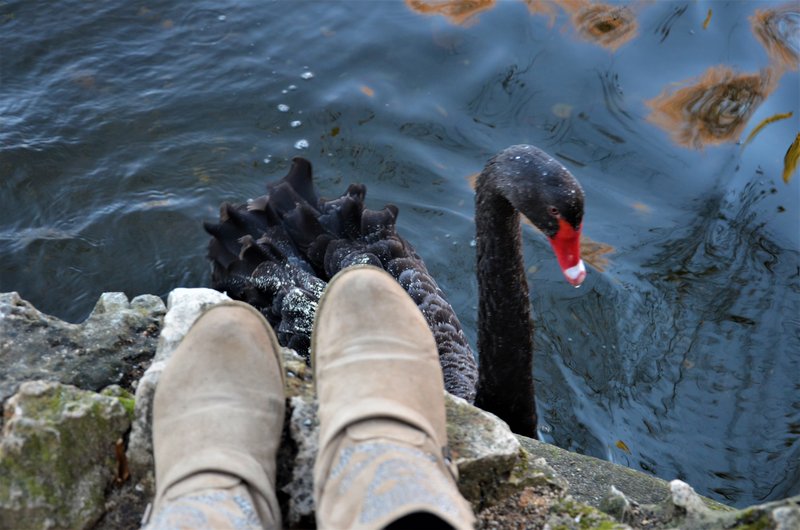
(569, 514)
(616, 504)
(687, 509)
(684, 508)
(589, 478)
(482, 447)
(58, 455)
(787, 515)
(112, 346)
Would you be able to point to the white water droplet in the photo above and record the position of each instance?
(283, 107)
(307, 75)
(292, 87)
(296, 123)
(301, 144)
(221, 18)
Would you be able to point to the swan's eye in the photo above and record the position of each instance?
(552, 210)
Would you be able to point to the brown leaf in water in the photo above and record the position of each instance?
(459, 12)
(707, 20)
(764, 123)
(790, 159)
(367, 91)
(712, 109)
(621, 445)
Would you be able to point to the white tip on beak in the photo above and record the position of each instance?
(576, 274)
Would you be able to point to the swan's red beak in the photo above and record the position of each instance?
(567, 246)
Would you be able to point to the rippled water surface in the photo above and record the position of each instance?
(124, 124)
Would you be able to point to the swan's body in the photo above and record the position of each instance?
(278, 251)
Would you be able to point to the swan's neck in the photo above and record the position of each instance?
(505, 328)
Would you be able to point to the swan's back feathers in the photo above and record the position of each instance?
(278, 251)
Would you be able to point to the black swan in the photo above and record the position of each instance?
(277, 251)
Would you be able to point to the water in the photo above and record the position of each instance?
(123, 125)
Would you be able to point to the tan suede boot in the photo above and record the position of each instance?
(217, 420)
(383, 436)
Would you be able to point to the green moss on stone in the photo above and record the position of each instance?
(130, 405)
(125, 398)
(752, 519)
(57, 455)
(582, 517)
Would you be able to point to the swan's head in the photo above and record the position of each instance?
(545, 192)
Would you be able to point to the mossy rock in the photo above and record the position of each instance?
(57, 455)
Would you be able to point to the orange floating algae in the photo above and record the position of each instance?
(610, 26)
(459, 12)
(596, 253)
(607, 25)
(542, 7)
(776, 29)
(712, 109)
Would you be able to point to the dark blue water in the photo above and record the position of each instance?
(124, 124)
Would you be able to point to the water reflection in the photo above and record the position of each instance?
(204, 27)
(458, 12)
(712, 109)
(716, 107)
(778, 30)
(610, 26)
(712, 281)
